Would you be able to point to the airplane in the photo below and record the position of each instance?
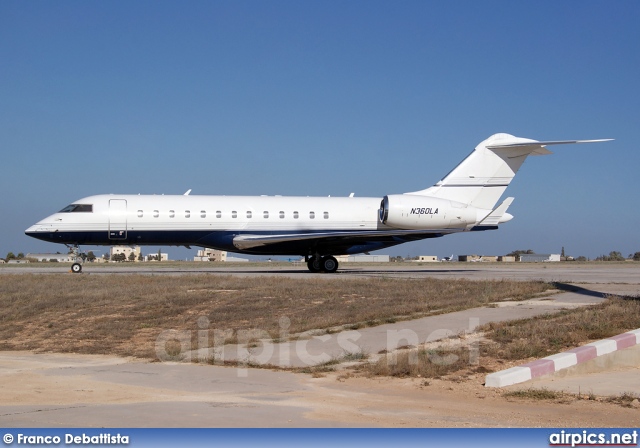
(447, 258)
(316, 228)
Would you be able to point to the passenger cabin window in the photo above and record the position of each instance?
(139, 213)
(326, 215)
(296, 215)
(218, 214)
(281, 215)
(77, 208)
(172, 213)
(156, 213)
(187, 213)
(265, 214)
(249, 214)
(234, 214)
(203, 213)
(312, 215)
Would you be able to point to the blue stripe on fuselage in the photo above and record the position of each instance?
(223, 240)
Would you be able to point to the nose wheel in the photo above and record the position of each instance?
(78, 258)
(327, 264)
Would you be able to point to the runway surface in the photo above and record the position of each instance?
(568, 272)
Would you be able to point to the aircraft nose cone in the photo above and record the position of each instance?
(40, 232)
(31, 230)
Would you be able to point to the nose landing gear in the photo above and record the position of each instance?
(78, 258)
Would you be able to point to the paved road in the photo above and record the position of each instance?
(620, 273)
(53, 390)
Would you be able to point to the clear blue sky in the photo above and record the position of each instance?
(323, 98)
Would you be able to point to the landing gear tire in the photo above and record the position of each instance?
(329, 264)
(314, 264)
(76, 268)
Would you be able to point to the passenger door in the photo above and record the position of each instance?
(117, 219)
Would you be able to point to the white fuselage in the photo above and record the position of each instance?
(208, 221)
(228, 213)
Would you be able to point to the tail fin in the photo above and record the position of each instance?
(481, 178)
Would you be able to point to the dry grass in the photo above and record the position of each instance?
(544, 335)
(625, 399)
(535, 394)
(124, 314)
(421, 363)
(516, 340)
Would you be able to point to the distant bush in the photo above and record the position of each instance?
(613, 256)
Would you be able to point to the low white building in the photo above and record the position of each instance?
(126, 250)
(539, 258)
(211, 255)
(363, 258)
(236, 260)
(152, 257)
(61, 258)
(427, 258)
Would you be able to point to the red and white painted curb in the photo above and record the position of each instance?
(553, 363)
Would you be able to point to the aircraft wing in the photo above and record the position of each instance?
(249, 241)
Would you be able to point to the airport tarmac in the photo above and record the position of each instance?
(64, 390)
(616, 273)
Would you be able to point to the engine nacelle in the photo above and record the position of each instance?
(409, 211)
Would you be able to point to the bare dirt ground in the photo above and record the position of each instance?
(410, 403)
(97, 390)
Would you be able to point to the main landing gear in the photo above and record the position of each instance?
(78, 258)
(327, 264)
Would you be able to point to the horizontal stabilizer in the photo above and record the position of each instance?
(498, 215)
(538, 148)
(550, 142)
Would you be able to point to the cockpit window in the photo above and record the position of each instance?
(77, 208)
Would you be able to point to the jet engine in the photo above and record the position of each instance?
(409, 211)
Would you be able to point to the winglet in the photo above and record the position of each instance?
(187, 192)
